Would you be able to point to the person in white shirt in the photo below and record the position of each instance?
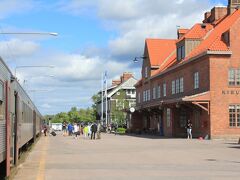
(76, 130)
(89, 130)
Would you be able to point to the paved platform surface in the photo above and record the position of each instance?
(129, 157)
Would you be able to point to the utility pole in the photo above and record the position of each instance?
(102, 81)
(106, 103)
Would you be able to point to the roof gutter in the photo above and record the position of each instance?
(219, 52)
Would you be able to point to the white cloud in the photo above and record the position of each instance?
(76, 78)
(77, 67)
(78, 75)
(46, 106)
(136, 20)
(10, 7)
(118, 9)
(16, 48)
(76, 7)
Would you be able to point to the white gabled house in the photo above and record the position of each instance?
(121, 94)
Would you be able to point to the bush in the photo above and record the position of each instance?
(121, 130)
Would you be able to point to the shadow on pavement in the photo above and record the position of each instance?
(235, 147)
(148, 136)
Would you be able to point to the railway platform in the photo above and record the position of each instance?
(130, 157)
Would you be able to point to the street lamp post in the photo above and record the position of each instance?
(136, 59)
(31, 33)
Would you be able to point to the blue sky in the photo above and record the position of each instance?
(93, 36)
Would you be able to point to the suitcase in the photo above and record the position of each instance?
(53, 133)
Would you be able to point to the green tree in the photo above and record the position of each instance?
(74, 115)
(95, 98)
(60, 118)
(118, 113)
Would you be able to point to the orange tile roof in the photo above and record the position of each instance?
(170, 61)
(183, 31)
(197, 32)
(213, 42)
(159, 50)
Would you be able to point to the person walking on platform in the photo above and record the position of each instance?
(76, 130)
(94, 130)
(189, 129)
(89, 130)
(45, 130)
(64, 128)
(85, 131)
(70, 129)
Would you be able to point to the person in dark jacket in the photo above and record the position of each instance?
(45, 130)
(94, 130)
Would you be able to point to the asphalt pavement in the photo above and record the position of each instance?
(130, 157)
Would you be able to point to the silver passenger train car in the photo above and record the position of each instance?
(20, 120)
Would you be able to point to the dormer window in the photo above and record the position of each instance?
(180, 53)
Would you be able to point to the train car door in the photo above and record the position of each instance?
(15, 128)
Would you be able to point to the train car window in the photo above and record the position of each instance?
(1, 101)
(1, 91)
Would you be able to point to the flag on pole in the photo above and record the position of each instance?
(105, 77)
(106, 102)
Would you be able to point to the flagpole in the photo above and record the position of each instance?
(102, 100)
(106, 103)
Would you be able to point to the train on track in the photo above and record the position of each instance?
(20, 120)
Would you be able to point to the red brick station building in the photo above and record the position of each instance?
(195, 77)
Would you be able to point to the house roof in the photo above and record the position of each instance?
(205, 96)
(128, 84)
(168, 62)
(162, 52)
(214, 42)
(198, 31)
(183, 31)
(159, 50)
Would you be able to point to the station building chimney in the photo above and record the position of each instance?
(232, 5)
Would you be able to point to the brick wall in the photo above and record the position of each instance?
(219, 82)
(187, 71)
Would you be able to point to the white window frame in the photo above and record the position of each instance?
(168, 114)
(154, 93)
(143, 96)
(234, 77)
(181, 88)
(164, 89)
(173, 87)
(159, 91)
(149, 95)
(1, 91)
(177, 86)
(196, 80)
